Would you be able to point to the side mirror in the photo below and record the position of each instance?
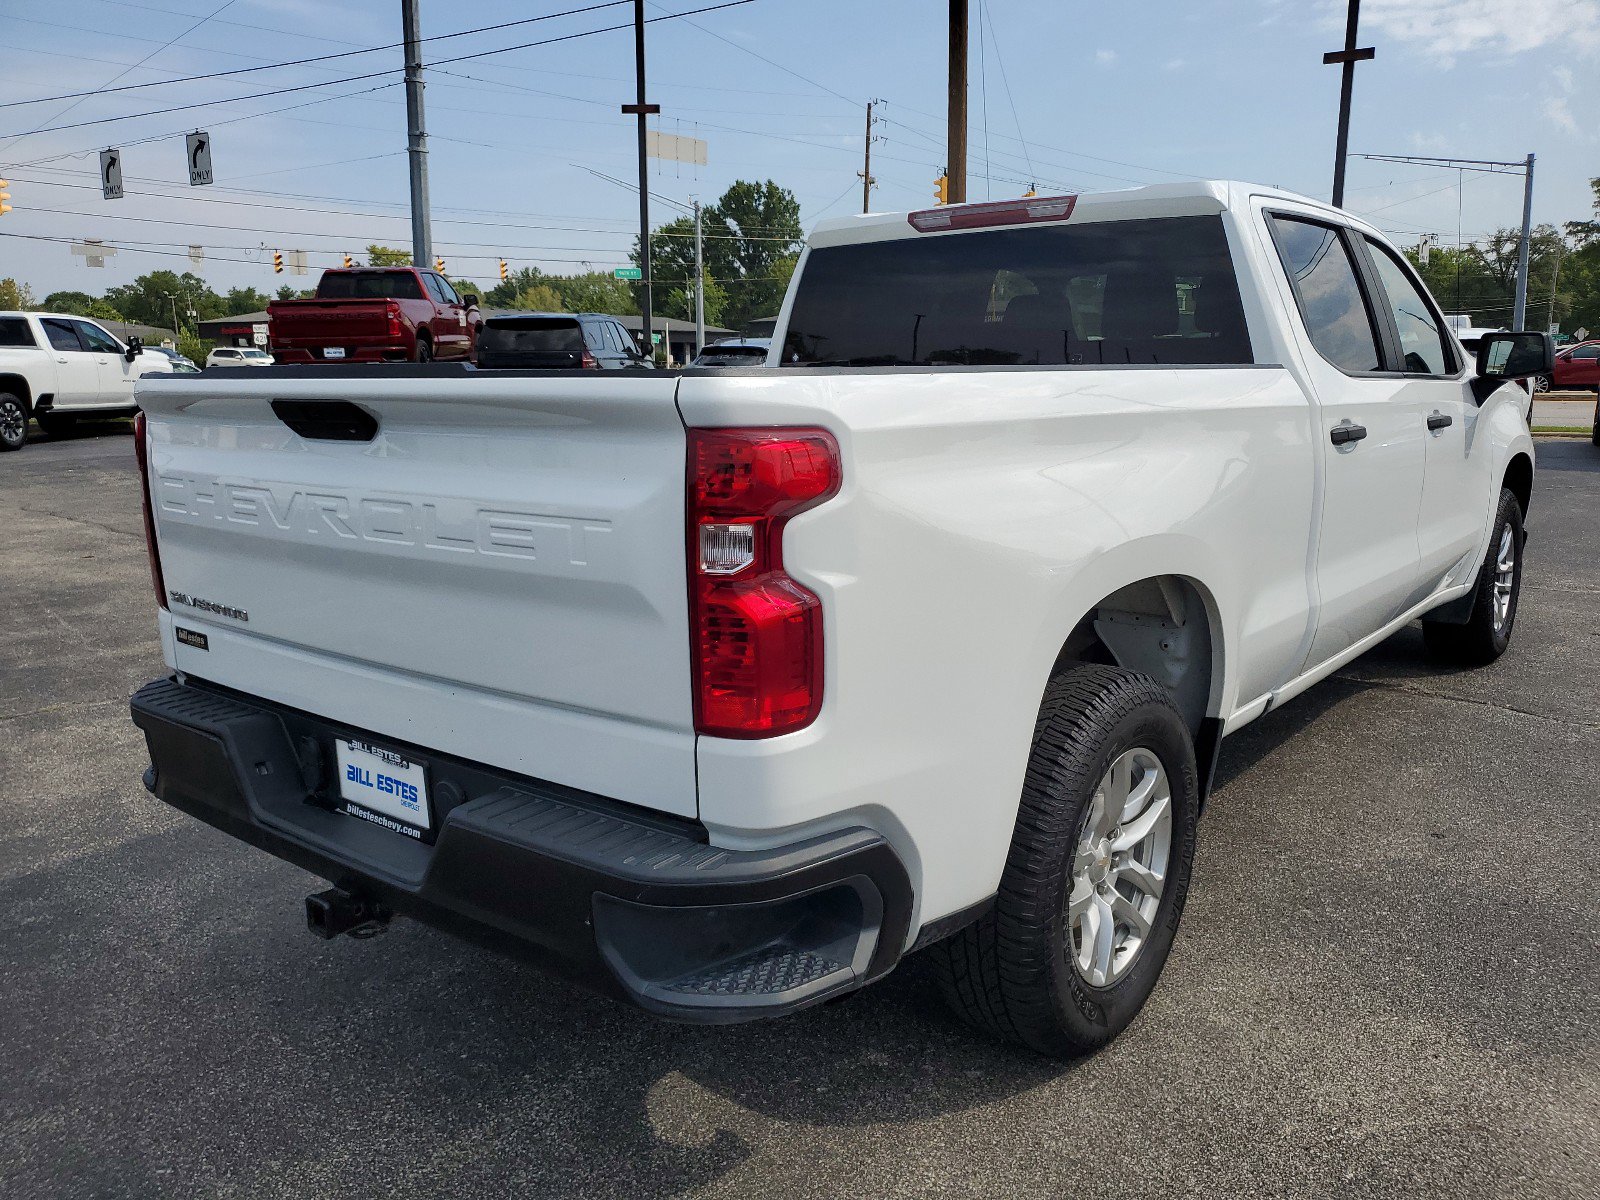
(135, 348)
(469, 300)
(1506, 356)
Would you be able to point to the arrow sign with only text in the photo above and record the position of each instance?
(199, 159)
(111, 174)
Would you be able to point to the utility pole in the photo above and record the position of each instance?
(416, 137)
(956, 135)
(866, 163)
(699, 287)
(1489, 166)
(1520, 316)
(642, 110)
(1348, 57)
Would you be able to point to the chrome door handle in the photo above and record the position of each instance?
(1346, 431)
(1438, 420)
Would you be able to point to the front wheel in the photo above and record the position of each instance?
(13, 422)
(1487, 631)
(1095, 881)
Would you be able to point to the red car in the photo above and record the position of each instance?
(1577, 367)
(376, 314)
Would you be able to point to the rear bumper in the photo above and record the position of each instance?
(635, 904)
(354, 352)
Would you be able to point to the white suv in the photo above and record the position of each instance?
(56, 368)
(239, 356)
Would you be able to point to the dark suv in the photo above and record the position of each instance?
(558, 341)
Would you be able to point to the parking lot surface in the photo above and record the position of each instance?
(1387, 981)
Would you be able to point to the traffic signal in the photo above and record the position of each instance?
(1031, 192)
(505, 271)
(277, 262)
(5, 195)
(438, 265)
(941, 189)
(348, 262)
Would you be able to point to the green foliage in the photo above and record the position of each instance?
(1482, 279)
(594, 291)
(99, 310)
(14, 295)
(288, 293)
(244, 300)
(541, 297)
(195, 348)
(74, 303)
(751, 240)
(387, 256)
(149, 299)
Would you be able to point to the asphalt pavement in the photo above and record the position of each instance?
(1386, 983)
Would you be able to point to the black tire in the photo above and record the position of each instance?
(1595, 435)
(424, 351)
(13, 421)
(55, 424)
(1486, 633)
(1011, 973)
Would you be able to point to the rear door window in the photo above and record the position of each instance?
(1103, 293)
(1329, 294)
(62, 334)
(14, 332)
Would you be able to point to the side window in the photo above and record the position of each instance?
(14, 331)
(432, 282)
(1329, 295)
(62, 335)
(1422, 340)
(97, 339)
(593, 335)
(1586, 352)
(446, 292)
(625, 340)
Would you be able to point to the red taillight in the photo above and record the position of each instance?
(394, 319)
(589, 362)
(142, 452)
(1000, 212)
(757, 633)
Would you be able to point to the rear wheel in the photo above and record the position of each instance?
(1541, 383)
(424, 348)
(1098, 871)
(13, 421)
(54, 424)
(1595, 435)
(1487, 631)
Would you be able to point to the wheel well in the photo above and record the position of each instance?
(1159, 626)
(18, 386)
(1519, 478)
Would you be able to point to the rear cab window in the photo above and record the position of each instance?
(1113, 293)
(14, 333)
(369, 285)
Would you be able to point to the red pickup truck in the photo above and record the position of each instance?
(375, 314)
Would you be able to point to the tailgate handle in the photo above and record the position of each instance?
(327, 420)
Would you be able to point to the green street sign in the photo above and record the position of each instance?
(628, 273)
(656, 338)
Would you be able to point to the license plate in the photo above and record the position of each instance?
(333, 352)
(383, 787)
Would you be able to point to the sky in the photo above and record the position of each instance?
(1067, 95)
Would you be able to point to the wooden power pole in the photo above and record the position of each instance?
(956, 139)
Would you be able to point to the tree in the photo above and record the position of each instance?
(519, 281)
(594, 291)
(149, 299)
(15, 295)
(387, 256)
(288, 293)
(541, 297)
(243, 300)
(76, 303)
(98, 310)
(751, 238)
(1587, 232)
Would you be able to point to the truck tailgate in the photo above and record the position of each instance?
(334, 321)
(498, 574)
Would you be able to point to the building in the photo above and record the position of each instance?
(680, 334)
(237, 330)
(150, 335)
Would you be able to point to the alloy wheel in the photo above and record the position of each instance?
(1119, 867)
(12, 422)
(1505, 578)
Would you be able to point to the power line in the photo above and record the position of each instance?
(567, 37)
(292, 62)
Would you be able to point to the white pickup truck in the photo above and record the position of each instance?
(57, 368)
(726, 690)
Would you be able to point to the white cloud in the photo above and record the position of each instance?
(1105, 57)
(1559, 114)
(1563, 77)
(1173, 64)
(1447, 28)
